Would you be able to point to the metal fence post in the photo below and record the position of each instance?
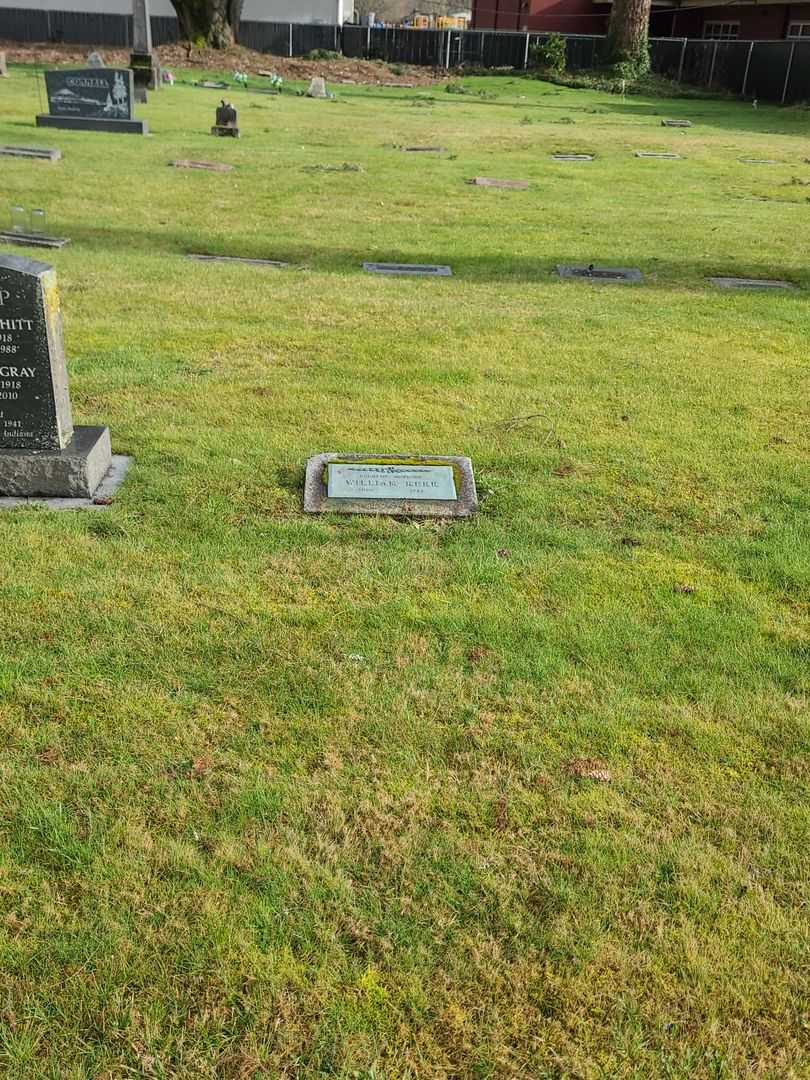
(747, 69)
(526, 54)
(711, 69)
(787, 73)
(683, 54)
(447, 58)
(290, 39)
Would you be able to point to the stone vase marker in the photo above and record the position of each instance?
(41, 453)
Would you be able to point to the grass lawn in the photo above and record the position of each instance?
(297, 797)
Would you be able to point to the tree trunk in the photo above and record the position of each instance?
(628, 34)
(214, 22)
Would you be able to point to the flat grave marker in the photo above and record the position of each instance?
(573, 157)
(413, 269)
(211, 166)
(490, 181)
(665, 155)
(27, 239)
(590, 272)
(410, 486)
(91, 99)
(207, 84)
(676, 123)
(41, 452)
(751, 283)
(238, 259)
(44, 153)
(757, 161)
(421, 149)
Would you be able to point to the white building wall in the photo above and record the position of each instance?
(303, 11)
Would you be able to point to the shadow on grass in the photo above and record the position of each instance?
(474, 268)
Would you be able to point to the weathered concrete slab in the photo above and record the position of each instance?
(238, 259)
(490, 181)
(413, 269)
(211, 166)
(751, 283)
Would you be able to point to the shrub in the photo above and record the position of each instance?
(322, 54)
(550, 55)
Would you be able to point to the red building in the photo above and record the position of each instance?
(679, 18)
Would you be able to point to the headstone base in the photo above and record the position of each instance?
(74, 472)
(33, 239)
(220, 129)
(87, 123)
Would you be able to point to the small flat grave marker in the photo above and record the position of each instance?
(413, 269)
(46, 153)
(750, 283)
(212, 166)
(573, 157)
(33, 239)
(600, 273)
(418, 486)
(422, 149)
(656, 154)
(676, 123)
(757, 161)
(238, 259)
(489, 181)
(208, 84)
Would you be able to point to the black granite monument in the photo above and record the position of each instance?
(41, 453)
(91, 99)
(226, 121)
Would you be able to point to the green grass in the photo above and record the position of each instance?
(290, 796)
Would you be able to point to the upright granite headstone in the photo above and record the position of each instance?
(95, 60)
(317, 88)
(91, 99)
(41, 453)
(3, 67)
(145, 67)
(227, 122)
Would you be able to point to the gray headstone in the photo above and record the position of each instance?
(3, 67)
(420, 486)
(95, 60)
(34, 401)
(317, 88)
(90, 93)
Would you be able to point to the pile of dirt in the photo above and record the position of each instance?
(342, 70)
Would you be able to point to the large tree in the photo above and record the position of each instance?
(628, 34)
(214, 22)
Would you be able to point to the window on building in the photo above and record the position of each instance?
(721, 31)
(799, 29)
